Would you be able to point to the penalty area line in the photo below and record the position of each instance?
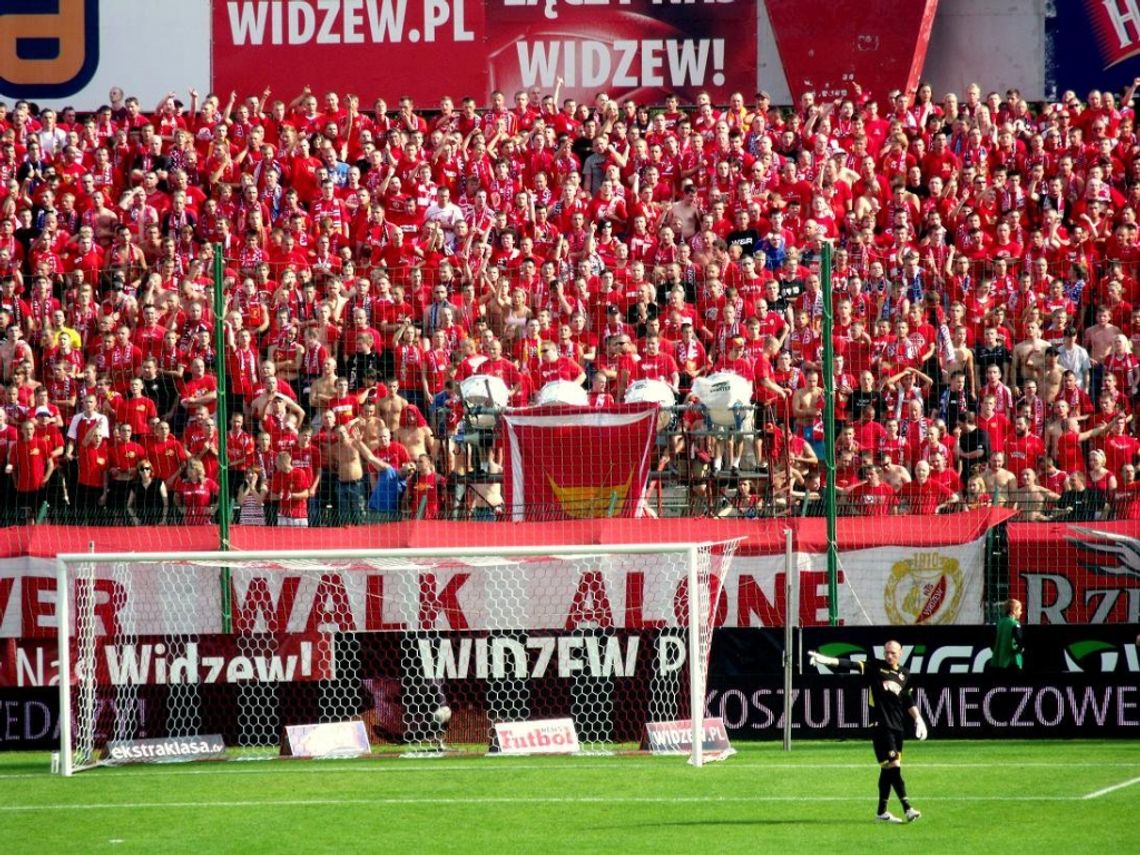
(442, 800)
(1104, 792)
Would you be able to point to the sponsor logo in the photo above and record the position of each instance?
(157, 664)
(1067, 598)
(328, 739)
(48, 48)
(1117, 27)
(924, 589)
(970, 710)
(1094, 656)
(543, 656)
(172, 749)
(676, 737)
(550, 736)
(920, 658)
(1116, 555)
(337, 22)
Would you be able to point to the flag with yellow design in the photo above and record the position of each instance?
(567, 462)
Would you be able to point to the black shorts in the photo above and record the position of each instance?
(888, 745)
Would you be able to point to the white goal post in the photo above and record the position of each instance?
(429, 649)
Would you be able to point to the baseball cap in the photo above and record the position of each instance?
(43, 411)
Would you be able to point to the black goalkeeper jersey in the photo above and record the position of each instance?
(890, 691)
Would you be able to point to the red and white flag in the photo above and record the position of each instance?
(566, 462)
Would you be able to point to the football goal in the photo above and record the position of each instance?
(234, 654)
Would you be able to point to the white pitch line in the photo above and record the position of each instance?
(522, 800)
(1113, 788)
(482, 766)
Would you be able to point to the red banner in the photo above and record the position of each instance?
(430, 48)
(577, 462)
(761, 537)
(1070, 574)
(880, 44)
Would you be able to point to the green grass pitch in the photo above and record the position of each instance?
(986, 797)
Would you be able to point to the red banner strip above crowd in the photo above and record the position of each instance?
(424, 50)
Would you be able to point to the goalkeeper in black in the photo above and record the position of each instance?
(893, 711)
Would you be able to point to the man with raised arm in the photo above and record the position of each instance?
(892, 711)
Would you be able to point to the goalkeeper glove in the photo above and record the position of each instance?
(920, 729)
(817, 658)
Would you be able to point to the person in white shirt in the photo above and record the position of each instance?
(1073, 357)
(444, 212)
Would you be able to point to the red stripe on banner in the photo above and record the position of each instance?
(759, 537)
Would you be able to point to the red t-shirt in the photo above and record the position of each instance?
(137, 412)
(204, 385)
(286, 483)
(873, 501)
(196, 499)
(562, 368)
(425, 494)
(924, 498)
(346, 408)
(29, 460)
(167, 457)
(1118, 450)
(1023, 452)
(93, 462)
(125, 456)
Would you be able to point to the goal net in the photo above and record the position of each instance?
(428, 651)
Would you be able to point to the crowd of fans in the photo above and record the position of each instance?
(985, 299)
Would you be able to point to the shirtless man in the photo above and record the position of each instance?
(370, 425)
(961, 358)
(104, 220)
(1055, 427)
(1050, 376)
(1098, 341)
(1028, 356)
(14, 351)
(413, 431)
(323, 388)
(999, 480)
(1029, 498)
(807, 403)
(259, 405)
(393, 405)
(685, 214)
(348, 455)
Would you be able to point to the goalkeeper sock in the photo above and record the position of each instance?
(884, 789)
(900, 787)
